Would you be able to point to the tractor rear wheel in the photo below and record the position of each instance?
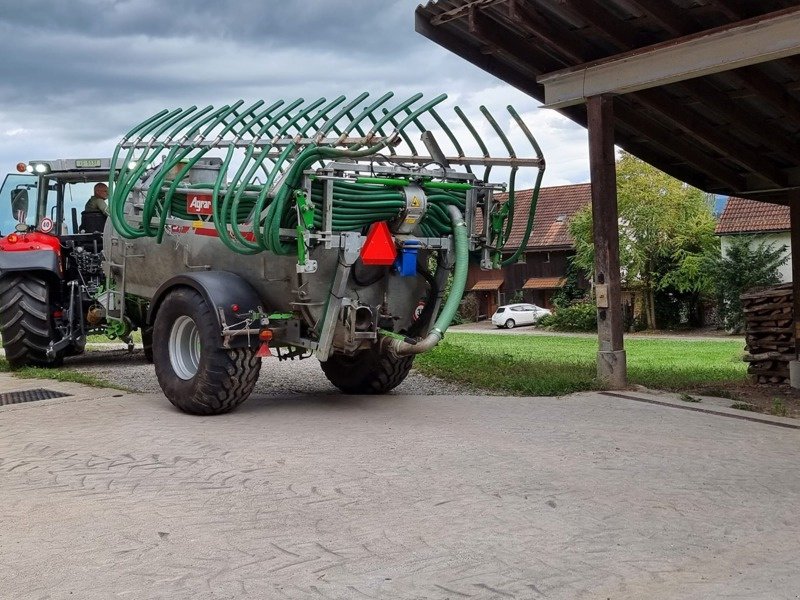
(25, 321)
(195, 374)
(367, 371)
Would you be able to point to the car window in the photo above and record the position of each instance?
(18, 193)
(519, 309)
(501, 309)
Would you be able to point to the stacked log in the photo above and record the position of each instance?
(769, 333)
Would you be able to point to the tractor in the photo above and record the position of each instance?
(51, 262)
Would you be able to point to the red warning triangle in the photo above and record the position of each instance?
(379, 248)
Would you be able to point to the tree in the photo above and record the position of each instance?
(666, 231)
(732, 278)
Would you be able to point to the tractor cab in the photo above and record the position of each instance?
(50, 196)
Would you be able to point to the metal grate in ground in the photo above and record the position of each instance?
(29, 396)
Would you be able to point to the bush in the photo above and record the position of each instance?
(581, 316)
(467, 310)
(747, 264)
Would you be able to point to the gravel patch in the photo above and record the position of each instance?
(113, 363)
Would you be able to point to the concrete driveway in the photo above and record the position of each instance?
(107, 494)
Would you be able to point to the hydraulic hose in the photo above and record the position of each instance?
(400, 347)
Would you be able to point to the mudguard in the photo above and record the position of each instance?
(223, 291)
(30, 260)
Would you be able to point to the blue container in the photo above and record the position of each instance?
(406, 262)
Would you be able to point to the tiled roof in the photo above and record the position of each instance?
(486, 284)
(544, 283)
(556, 206)
(749, 216)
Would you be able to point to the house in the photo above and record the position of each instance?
(542, 269)
(768, 222)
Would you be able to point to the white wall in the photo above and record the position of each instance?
(779, 239)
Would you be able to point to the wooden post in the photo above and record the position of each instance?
(611, 360)
(794, 224)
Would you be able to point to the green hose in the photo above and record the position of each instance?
(285, 141)
(400, 347)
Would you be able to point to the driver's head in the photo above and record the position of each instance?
(101, 190)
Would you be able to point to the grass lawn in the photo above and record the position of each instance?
(59, 374)
(556, 365)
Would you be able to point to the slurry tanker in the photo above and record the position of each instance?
(342, 230)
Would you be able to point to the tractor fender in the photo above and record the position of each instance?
(30, 260)
(223, 291)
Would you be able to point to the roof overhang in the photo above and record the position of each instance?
(544, 283)
(722, 49)
(486, 285)
(706, 90)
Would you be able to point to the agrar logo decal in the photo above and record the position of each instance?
(197, 204)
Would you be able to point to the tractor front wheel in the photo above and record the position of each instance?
(367, 371)
(194, 372)
(25, 320)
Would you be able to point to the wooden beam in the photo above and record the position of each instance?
(794, 220)
(757, 82)
(499, 39)
(744, 43)
(689, 150)
(712, 136)
(472, 54)
(604, 23)
(541, 29)
(771, 137)
(661, 14)
(611, 364)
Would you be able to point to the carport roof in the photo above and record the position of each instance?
(732, 132)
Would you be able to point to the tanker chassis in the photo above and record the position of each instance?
(291, 229)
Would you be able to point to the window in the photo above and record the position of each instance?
(18, 197)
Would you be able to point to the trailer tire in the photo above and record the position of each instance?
(367, 371)
(25, 322)
(194, 372)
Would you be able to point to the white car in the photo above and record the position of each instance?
(511, 315)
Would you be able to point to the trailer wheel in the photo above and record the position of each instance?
(25, 322)
(367, 371)
(195, 374)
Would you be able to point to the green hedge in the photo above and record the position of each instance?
(581, 316)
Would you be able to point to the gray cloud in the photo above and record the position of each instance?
(79, 74)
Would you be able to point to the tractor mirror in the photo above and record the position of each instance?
(19, 204)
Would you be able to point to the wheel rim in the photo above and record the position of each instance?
(184, 348)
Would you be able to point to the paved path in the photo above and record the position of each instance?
(110, 495)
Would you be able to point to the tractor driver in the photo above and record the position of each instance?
(97, 203)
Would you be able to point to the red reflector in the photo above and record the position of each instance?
(263, 351)
(57, 314)
(22, 167)
(265, 335)
(13, 238)
(235, 308)
(379, 248)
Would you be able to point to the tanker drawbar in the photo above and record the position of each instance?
(335, 227)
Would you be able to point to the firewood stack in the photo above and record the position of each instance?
(768, 333)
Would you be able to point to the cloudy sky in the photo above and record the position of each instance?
(77, 75)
